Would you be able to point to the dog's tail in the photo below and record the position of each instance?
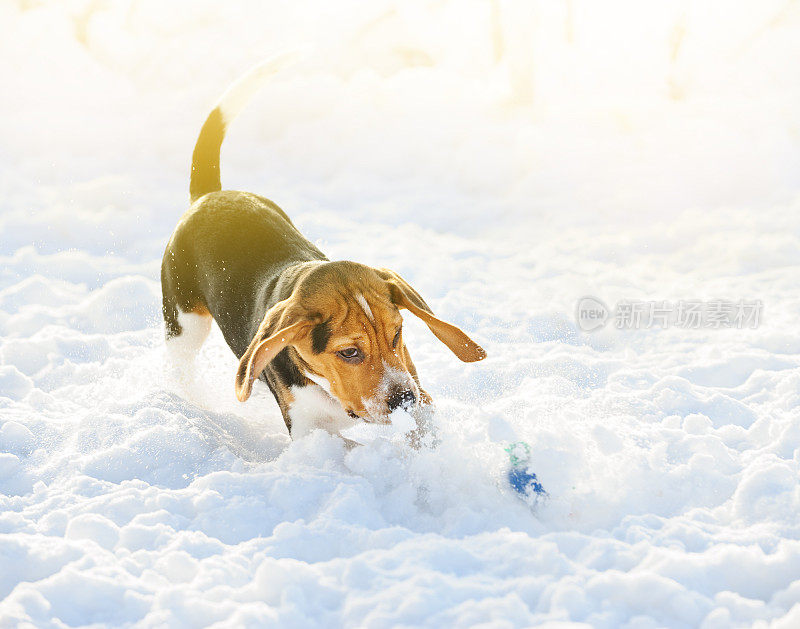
(205, 159)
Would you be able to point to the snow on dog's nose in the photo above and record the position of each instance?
(401, 398)
(397, 390)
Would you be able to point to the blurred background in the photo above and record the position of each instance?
(476, 114)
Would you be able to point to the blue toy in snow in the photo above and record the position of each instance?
(520, 477)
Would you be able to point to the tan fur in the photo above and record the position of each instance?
(261, 352)
(200, 309)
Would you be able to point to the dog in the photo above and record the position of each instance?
(326, 336)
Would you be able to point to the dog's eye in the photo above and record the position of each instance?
(350, 355)
(397, 337)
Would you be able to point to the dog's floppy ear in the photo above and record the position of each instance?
(404, 296)
(264, 346)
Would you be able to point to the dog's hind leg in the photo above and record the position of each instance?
(186, 331)
(187, 321)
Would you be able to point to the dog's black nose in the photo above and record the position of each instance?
(401, 398)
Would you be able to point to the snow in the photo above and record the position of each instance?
(507, 159)
(399, 424)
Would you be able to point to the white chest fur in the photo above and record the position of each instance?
(314, 408)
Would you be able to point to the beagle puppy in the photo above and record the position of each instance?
(326, 336)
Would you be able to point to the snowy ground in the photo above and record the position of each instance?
(506, 158)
